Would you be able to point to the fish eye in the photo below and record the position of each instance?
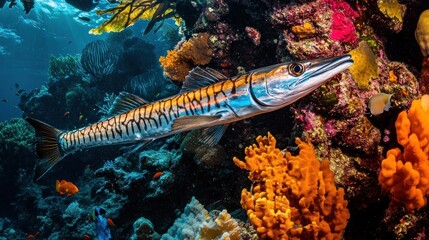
(296, 69)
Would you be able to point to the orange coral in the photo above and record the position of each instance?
(178, 63)
(406, 174)
(305, 30)
(294, 197)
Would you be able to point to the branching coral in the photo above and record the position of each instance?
(293, 196)
(61, 68)
(16, 133)
(178, 62)
(364, 67)
(129, 11)
(405, 174)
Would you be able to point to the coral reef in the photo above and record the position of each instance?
(194, 52)
(293, 196)
(405, 174)
(197, 223)
(332, 26)
(142, 191)
(143, 229)
(138, 56)
(66, 67)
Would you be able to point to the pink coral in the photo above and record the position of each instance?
(342, 28)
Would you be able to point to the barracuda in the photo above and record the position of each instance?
(208, 101)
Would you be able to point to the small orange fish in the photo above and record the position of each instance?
(157, 175)
(30, 236)
(65, 187)
(86, 236)
(66, 113)
(37, 234)
(110, 222)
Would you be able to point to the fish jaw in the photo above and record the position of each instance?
(284, 84)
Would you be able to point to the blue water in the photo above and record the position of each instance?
(28, 40)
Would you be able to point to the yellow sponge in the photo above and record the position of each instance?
(364, 67)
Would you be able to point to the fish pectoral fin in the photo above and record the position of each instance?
(205, 137)
(124, 102)
(193, 121)
(134, 148)
(199, 77)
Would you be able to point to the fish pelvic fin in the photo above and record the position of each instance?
(47, 147)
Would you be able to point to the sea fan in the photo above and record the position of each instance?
(151, 86)
(99, 59)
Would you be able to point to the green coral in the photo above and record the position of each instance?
(16, 133)
(64, 67)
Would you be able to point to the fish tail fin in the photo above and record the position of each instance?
(47, 147)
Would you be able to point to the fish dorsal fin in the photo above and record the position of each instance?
(199, 77)
(124, 102)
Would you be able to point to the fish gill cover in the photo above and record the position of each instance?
(379, 161)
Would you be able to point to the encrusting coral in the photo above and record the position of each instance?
(392, 9)
(197, 223)
(405, 174)
(364, 67)
(293, 197)
(178, 62)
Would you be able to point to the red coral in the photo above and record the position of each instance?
(254, 35)
(342, 28)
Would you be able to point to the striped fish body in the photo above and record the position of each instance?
(220, 103)
(207, 100)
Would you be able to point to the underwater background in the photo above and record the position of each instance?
(348, 161)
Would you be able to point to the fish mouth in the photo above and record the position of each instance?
(320, 71)
(332, 66)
